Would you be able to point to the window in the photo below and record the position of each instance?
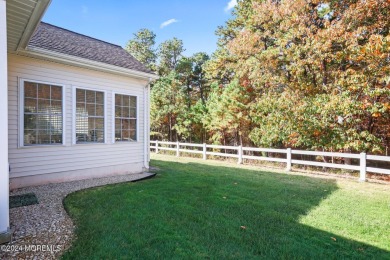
(43, 115)
(125, 118)
(89, 116)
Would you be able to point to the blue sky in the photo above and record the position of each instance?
(115, 21)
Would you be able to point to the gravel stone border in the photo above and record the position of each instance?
(47, 223)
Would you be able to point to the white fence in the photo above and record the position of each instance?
(239, 153)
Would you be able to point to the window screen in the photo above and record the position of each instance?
(125, 118)
(89, 116)
(43, 114)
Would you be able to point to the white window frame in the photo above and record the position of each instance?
(113, 117)
(21, 113)
(74, 141)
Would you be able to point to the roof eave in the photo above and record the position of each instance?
(36, 52)
(33, 23)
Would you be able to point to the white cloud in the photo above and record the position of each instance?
(230, 5)
(168, 22)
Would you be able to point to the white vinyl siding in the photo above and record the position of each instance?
(34, 160)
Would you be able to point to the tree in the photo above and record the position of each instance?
(329, 63)
(142, 48)
(167, 104)
(169, 52)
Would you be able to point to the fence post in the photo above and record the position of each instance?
(363, 167)
(177, 149)
(239, 150)
(288, 163)
(156, 146)
(204, 151)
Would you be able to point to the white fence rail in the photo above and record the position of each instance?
(240, 155)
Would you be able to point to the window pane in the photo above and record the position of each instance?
(43, 122)
(44, 106)
(93, 135)
(56, 139)
(91, 97)
(82, 125)
(30, 90)
(118, 136)
(118, 130)
(43, 91)
(118, 111)
(80, 95)
(91, 109)
(118, 100)
(118, 124)
(125, 112)
(125, 124)
(29, 137)
(91, 123)
(30, 122)
(43, 136)
(99, 136)
(133, 112)
(56, 93)
(99, 110)
(133, 135)
(30, 105)
(133, 124)
(56, 124)
(80, 109)
(56, 107)
(133, 101)
(99, 98)
(126, 101)
(125, 135)
(99, 123)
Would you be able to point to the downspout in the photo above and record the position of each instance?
(146, 125)
(5, 234)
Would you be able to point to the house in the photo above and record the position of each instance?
(76, 107)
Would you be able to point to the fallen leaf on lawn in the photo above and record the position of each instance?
(333, 238)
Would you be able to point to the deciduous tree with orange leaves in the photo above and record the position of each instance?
(319, 72)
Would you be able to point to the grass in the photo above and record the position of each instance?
(194, 209)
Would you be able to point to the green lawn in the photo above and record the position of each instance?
(195, 209)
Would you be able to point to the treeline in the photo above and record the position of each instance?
(303, 74)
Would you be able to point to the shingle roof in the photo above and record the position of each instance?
(60, 40)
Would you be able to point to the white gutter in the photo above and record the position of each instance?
(84, 63)
(146, 125)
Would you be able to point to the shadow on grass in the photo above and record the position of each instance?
(193, 210)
